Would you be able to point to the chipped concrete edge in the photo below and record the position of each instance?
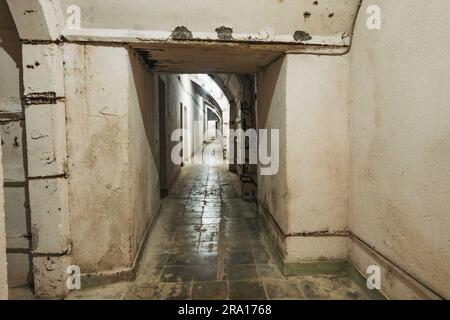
(220, 34)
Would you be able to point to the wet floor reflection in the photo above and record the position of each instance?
(207, 244)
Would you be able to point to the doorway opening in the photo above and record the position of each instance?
(206, 232)
(198, 116)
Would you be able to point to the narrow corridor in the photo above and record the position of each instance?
(207, 244)
(334, 119)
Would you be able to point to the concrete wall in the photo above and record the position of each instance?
(317, 146)
(272, 190)
(12, 129)
(112, 139)
(305, 97)
(400, 146)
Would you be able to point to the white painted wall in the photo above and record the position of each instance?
(400, 144)
(317, 146)
(305, 97)
(112, 145)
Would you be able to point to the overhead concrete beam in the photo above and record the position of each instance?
(324, 22)
(315, 22)
(36, 19)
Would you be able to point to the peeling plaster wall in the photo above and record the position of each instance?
(400, 144)
(111, 138)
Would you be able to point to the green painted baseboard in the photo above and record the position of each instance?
(316, 268)
(331, 267)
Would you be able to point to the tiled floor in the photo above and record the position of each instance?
(207, 244)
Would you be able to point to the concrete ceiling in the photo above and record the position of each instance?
(211, 57)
